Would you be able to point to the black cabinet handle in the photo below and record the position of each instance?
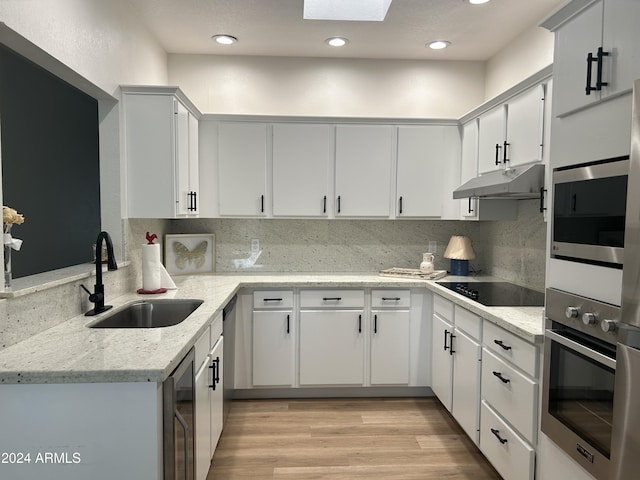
(390, 299)
(338, 203)
(501, 343)
(359, 323)
(451, 350)
(599, 82)
(504, 153)
(261, 203)
(502, 379)
(497, 434)
(288, 318)
(331, 299)
(215, 365)
(574, 202)
(375, 324)
(498, 147)
(324, 204)
(542, 192)
(272, 299)
(470, 209)
(400, 205)
(446, 332)
(193, 201)
(590, 61)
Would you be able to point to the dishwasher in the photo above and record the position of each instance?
(229, 338)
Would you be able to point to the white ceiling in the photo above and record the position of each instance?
(276, 27)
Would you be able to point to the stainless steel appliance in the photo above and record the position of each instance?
(626, 422)
(497, 294)
(589, 207)
(229, 336)
(579, 378)
(179, 421)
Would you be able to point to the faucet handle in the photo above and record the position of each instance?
(93, 297)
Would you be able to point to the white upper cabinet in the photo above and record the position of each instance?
(364, 156)
(242, 166)
(424, 155)
(596, 53)
(525, 118)
(161, 152)
(302, 154)
(491, 140)
(469, 166)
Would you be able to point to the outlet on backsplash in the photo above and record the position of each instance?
(255, 246)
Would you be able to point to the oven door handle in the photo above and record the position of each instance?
(577, 347)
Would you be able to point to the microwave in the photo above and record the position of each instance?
(589, 207)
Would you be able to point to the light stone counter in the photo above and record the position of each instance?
(73, 353)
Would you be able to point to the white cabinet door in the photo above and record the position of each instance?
(491, 131)
(242, 163)
(273, 348)
(186, 161)
(525, 114)
(194, 165)
(390, 348)
(216, 393)
(301, 158)
(466, 383)
(203, 422)
(441, 361)
(574, 41)
(621, 38)
(363, 170)
(423, 152)
(332, 347)
(469, 166)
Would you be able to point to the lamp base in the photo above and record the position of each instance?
(459, 267)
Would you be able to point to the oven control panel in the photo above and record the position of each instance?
(592, 317)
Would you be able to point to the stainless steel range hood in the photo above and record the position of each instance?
(517, 182)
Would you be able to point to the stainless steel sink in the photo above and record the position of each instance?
(149, 314)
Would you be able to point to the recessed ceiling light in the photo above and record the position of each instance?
(337, 41)
(478, 2)
(439, 44)
(225, 39)
(352, 10)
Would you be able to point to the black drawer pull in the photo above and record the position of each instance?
(375, 324)
(261, 203)
(215, 365)
(599, 82)
(331, 299)
(502, 379)
(451, 350)
(446, 332)
(391, 299)
(338, 203)
(288, 318)
(497, 434)
(324, 204)
(501, 343)
(359, 323)
(271, 299)
(400, 205)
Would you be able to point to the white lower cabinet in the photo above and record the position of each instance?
(332, 347)
(456, 355)
(216, 393)
(390, 348)
(203, 422)
(273, 348)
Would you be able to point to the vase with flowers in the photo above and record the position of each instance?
(10, 217)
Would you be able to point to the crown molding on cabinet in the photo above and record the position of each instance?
(564, 13)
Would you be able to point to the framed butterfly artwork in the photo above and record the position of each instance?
(186, 254)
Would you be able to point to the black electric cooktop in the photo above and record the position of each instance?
(497, 294)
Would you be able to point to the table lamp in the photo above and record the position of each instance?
(460, 252)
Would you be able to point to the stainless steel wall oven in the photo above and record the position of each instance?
(589, 208)
(579, 378)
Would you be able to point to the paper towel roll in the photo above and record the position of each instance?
(151, 267)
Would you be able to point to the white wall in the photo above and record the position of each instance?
(328, 87)
(101, 40)
(527, 54)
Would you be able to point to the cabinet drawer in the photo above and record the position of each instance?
(202, 348)
(273, 299)
(468, 322)
(332, 298)
(511, 393)
(510, 455)
(521, 353)
(443, 307)
(390, 298)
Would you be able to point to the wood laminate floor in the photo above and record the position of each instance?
(344, 439)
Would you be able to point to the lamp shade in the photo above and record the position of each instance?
(459, 248)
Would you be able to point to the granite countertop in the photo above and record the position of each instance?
(72, 353)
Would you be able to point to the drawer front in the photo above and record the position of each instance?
(511, 393)
(506, 345)
(332, 298)
(273, 299)
(511, 456)
(468, 322)
(443, 307)
(390, 298)
(202, 348)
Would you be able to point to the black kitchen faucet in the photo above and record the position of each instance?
(97, 297)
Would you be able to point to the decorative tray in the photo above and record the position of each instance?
(412, 273)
